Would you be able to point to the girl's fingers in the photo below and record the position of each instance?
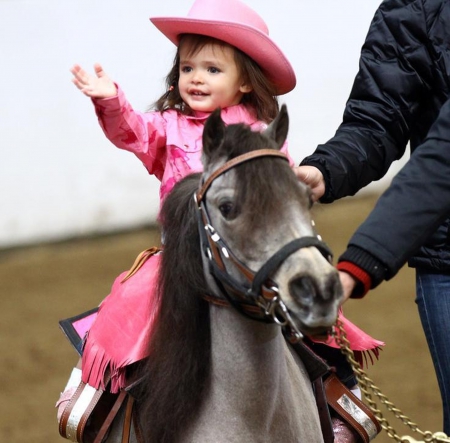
(83, 76)
(99, 70)
(80, 74)
(77, 70)
(84, 87)
(98, 85)
(77, 83)
(80, 86)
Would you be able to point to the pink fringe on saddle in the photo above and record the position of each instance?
(119, 336)
(363, 345)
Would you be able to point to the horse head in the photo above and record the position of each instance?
(258, 236)
(245, 240)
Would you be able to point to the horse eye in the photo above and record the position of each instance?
(226, 209)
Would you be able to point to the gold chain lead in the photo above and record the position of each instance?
(368, 388)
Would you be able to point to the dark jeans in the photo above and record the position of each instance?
(433, 301)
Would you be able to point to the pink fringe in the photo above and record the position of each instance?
(123, 327)
(362, 357)
(364, 346)
(98, 365)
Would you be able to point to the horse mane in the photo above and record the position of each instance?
(178, 367)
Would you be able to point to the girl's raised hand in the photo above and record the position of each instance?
(96, 86)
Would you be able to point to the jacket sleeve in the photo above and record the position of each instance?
(410, 210)
(143, 134)
(393, 68)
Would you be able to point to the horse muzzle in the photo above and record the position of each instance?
(314, 303)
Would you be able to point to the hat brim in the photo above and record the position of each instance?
(249, 40)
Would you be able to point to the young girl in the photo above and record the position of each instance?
(225, 59)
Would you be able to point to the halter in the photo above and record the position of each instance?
(259, 291)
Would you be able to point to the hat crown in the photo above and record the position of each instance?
(230, 11)
(233, 22)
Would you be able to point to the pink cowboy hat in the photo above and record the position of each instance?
(236, 24)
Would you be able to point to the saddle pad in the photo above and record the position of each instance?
(75, 328)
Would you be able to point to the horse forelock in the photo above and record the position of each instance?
(239, 139)
(265, 182)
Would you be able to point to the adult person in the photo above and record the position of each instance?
(400, 95)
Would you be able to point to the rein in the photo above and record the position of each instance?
(259, 290)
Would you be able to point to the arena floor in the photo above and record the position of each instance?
(43, 284)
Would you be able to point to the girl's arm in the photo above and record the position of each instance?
(144, 134)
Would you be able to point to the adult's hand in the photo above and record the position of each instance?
(348, 285)
(311, 176)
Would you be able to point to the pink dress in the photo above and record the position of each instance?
(169, 145)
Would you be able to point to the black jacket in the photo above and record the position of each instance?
(399, 93)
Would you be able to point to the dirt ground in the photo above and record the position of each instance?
(43, 284)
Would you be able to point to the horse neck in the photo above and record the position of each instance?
(244, 350)
(257, 376)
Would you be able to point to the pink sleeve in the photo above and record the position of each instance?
(144, 134)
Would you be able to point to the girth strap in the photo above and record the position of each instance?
(127, 420)
(111, 416)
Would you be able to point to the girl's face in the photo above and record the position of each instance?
(210, 78)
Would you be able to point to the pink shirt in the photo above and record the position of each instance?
(169, 144)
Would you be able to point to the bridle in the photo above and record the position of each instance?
(259, 291)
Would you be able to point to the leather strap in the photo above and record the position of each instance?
(324, 412)
(224, 303)
(351, 409)
(137, 426)
(110, 417)
(63, 431)
(140, 260)
(87, 414)
(236, 161)
(127, 420)
(77, 412)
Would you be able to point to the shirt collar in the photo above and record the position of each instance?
(233, 114)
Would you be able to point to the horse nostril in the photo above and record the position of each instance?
(303, 290)
(332, 288)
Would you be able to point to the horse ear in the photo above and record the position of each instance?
(213, 133)
(278, 129)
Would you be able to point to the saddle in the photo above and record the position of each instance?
(90, 413)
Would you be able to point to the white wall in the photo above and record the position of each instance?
(59, 176)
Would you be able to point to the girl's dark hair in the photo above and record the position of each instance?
(261, 100)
